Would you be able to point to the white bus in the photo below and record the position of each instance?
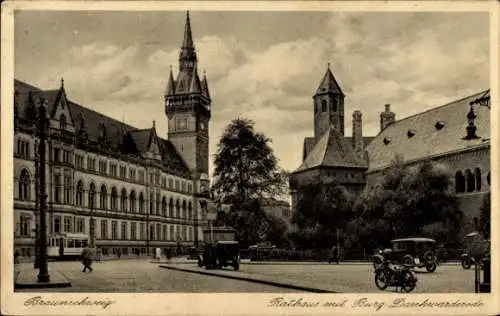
(66, 245)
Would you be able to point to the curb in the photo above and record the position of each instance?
(19, 286)
(247, 279)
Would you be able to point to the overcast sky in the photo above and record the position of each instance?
(264, 66)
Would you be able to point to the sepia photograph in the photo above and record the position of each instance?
(287, 152)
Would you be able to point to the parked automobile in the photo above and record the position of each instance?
(220, 254)
(415, 252)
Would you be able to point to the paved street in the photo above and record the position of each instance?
(140, 275)
(359, 277)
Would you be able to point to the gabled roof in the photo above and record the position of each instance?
(332, 150)
(418, 136)
(115, 130)
(329, 84)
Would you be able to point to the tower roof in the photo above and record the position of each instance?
(171, 83)
(204, 86)
(188, 37)
(195, 86)
(329, 84)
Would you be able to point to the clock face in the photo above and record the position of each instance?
(181, 123)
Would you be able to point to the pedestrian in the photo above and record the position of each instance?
(333, 254)
(16, 257)
(99, 254)
(119, 253)
(87, 256)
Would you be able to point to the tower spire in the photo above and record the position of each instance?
(187, 57)
(170, 84)
(188, 37)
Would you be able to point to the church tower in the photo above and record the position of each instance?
(187, 106)
(328, 106)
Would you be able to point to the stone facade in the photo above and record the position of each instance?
(142, 191)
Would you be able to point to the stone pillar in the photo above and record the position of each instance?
(357, 133)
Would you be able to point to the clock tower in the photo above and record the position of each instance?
(187, 106)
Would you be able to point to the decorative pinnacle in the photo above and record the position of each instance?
(154, 123)
(62, 82)
(328, 65)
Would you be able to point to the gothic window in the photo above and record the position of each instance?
(171, 208)
(488, 179)
(315, 107)
(470, 181)
(67, 189)
(92, 195)
(164, 207)
(79, 193)
(459, 182)
(62, 122)
(323, 105)
(141, 203)
(151, 210)
(158, 209)
(132, 202)
(123, 201)
(184, 214)
(177, 209)
(478, 178)
(24, 185)
(334, 105)
(190, 211)
(114, 197)
(103, 198)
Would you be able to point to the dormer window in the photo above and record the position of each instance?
(439, 125)
(387, 140)
(62, 122)
(411, 133)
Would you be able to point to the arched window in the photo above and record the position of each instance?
(477, 173)
(141, 203)
(488, 178)
(164, 207)
(190, 211)
(334, 105)
(177, 208)
(471, 182)
(123, 201)
(62, 121)
(57, 224)
(184, 213)
(132, 202)
(114, 197)
(171, 208)
(459, 182)
(91, 195)
(151, 204)
(104, 197)
(323, 105)
(24, 185)
(79, 193)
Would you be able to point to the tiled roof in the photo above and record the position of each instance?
(309, 143)
(419, 136)
(332, 150)
(366, 140)
(93, 122)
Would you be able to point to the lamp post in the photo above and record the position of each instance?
(92, 226)
(43, 273)
(37, 205)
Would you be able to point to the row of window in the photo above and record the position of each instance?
(23, 148)
(160, 232)
(324, 106)
(469, 181)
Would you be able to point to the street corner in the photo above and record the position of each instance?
(28, 279)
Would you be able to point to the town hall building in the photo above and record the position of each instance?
(133, 189)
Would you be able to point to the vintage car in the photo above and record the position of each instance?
(220, 254)
(416, 252)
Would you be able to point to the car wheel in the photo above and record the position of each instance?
(381, 281)
(466, 263)
(431, 267)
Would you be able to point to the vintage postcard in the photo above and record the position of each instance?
(249, 158)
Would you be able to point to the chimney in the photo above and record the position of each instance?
(357, 133)
(387, 117)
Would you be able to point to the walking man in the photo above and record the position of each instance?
(87, 256)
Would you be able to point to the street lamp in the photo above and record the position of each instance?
(92, 226)
(43, 273)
